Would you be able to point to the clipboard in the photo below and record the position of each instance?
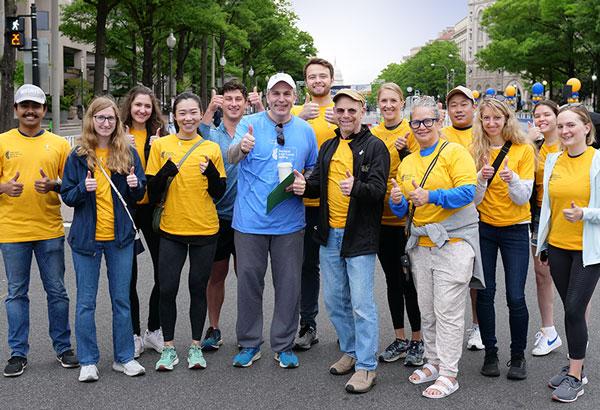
(278, 195)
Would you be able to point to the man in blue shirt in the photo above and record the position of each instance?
(232, 101)
(262, 142)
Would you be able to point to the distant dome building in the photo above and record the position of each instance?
(338, 77)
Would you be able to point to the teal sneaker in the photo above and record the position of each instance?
(246, 357)
(168, 359)
(212, 339)
(195, 358)
(287, 359)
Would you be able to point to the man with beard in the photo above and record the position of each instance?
(31, 164)
(318, 112)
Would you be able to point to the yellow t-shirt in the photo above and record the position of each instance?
(455, 167)
(389, 137)
(140, 142)
(31, 216)
(570, 181)
(496, 208)
(462, 137)
(189, 209)
(105, 213)
(323, 130)
(338, 203)
(539, 173)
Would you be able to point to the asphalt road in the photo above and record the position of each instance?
(46, 385)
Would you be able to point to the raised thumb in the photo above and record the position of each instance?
(131, 171)
(486, 160)
(394, 183)
(348, 174)
(573, 204)
(298, 174)
(307, 98)
(89, 175)
(415, 184)
(250, 129)
(17, 175)
(42, 173)
(158, 132)
(213, 92)
(505, 163)
(127, 129)
(255, 89)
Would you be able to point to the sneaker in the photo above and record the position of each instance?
(212, 340)
(246, 357)
(517, 368)
(287, 359)
(195, 358)
(132, 368)
(544, 345)
(396, 350)
(67, 359)
(490, 365)
(138, 344)
(15, 367)
(154, 339)
(554, 382)
(168, 359)
(414, 357)
(88, 373)
(306, 338)
(474, 341)
(569, 390)
(361, 381)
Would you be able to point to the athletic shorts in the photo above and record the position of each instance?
(225, 244)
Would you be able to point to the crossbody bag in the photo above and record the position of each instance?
(499, 159)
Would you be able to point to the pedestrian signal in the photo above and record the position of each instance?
(15, 30)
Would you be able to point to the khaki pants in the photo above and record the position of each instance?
(442, 278)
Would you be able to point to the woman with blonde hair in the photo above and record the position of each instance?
(505, 162)
(103, 179)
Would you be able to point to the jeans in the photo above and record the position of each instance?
(87, 273)
(348, 292)
(513, 242)
(50, 257)
(309, 294)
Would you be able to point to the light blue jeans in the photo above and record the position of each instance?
(348, 290)
(87, 273)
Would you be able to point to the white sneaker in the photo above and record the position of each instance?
(474, 341)
(88, 373)
(154, 340)
(138, 344)
(131, 368)
(544, 345)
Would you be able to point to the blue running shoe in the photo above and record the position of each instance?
(246, 357)
(212, 340)
(287, 359)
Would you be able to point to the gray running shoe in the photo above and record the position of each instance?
(396, 350)
(554, 382)
(569, 390)
(416, 350)
(306, 338)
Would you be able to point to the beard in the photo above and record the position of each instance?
(321, 94)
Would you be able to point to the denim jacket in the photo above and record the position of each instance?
(591, 214)
(82, 235)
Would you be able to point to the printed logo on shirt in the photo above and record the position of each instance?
(408, 177)
(555, 176)
(285, 154)
(12, 154)
(166, 154)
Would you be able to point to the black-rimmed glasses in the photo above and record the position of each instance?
(427, 122)
(280, 136)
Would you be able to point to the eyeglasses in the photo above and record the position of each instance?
(350, 111)
(427, 122)
(280, 136)
(101, 118)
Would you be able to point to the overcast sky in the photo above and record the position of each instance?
(364, 36)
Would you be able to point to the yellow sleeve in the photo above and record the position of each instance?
(462, 170)
(64, 154)
(217, 159)
(526, 167)
(154, 162)
(296, 109)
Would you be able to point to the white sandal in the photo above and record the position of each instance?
(445, 387)
(422, 377)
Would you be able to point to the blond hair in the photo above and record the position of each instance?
(481, 145)
(119, 152)
(391, 87)
(584, 117)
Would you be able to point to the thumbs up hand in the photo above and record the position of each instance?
(505, 173)
(44, 184)
(401, 142)
(12, 188)
(487, 171)
(330, 116)
(299, 184)
(347, 184)
(310, 110)
(155, 136)
(90, 182)
(132, 180)
(534, 133)
(419, 196)
(574, 213)
(216, 102)
(255, 100)
(247, 143)
(396, 193)
(204, 165)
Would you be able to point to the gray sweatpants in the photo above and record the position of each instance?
(252, 252)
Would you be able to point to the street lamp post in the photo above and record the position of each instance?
(171, 41)
(594, 78)
(447, 74)
(222, 62)
(251, 74)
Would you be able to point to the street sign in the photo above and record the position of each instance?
(15, 30)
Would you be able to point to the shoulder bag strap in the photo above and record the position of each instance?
(112, 184)
(500, 158)
(179, 164)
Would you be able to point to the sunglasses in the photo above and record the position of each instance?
(280, 136)
(427, 122)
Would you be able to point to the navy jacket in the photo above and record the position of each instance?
(82, 235)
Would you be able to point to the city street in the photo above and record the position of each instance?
(46, 385)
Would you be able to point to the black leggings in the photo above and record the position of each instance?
(392, 242)
(143, 220)
(172, 257)
(575, 284)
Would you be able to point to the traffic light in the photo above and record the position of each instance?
(15, 30)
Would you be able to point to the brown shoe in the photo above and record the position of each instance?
(343, 366)
(361, 381)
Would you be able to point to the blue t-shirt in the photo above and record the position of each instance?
(221, 137)
(258, 175)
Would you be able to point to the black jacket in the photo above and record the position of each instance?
(371, 166)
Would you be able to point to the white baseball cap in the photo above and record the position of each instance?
(281, 77)
(30, 92)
